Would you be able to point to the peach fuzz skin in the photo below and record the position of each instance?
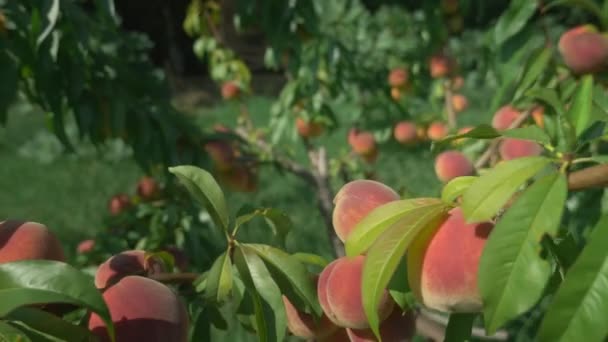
(28, 241)
(443, 263)
(357, 199)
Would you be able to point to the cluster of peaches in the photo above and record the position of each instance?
(442, 268)
(141, 308)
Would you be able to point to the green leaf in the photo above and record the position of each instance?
(579, 114)
(9, 333)
(533, 133)
(52, 16)
(511, 255)
(9, 85)
(513, 19)
(587, 5)
(491, 191)
(311, 259)
(459, 327)
(219, 279)
(480, 132)
(42, 281)
(205, 190)
(599, 159)
(547, 96)
(456, 187)
(535, 69)
(582, 300)
(387, 252)
(276, 219)
(254, 273)
(49, 324)
(378, 220)
(294, 271)
(593, 132)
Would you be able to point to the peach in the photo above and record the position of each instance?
(222, 154)
(405, 132)
(340, 294)
(147, 188)
(230, 90)
(305, 325)
(398, 327)
(118, 204)
(538, 115)
(308, 129)
(396, 94)
(398, 77)
(459, 103)
(421, 133)
(584, 49)
(443, 262)
(504, 117)
(461, 131)
(240, 178)
(142, 310)
(516, 148)
(437, 131)
(85, 246)
(363, 143)
(124, 264)
(440, 66)
(355, 200)
(28, 241)
(452, 164)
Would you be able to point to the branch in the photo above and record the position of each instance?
(491, 150)
(591, 177)
(174, 278)
(448, 106)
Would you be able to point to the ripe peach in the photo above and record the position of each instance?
(452, 164)
(437, 131)
(124, 264)
(459, 103)
(584, 49)
(398, 327)
(341, 291)
(538, 115)
(504, 117)
(398, 77)
(240, 178)
(28, 241)
(119, 203)
(357, 199)
(221, 153)
(363, 143)
(304, 325)
(308, 129)
(516, 148)
(148, 188)
(442, 264)
(440, 66)
(230, 90)
(142, 310)
(405, 132)
(85, 246)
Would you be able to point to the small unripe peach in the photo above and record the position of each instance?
(341, 294)
(405, 132)
(85, 246)
(584, 49)
(147, 188)
(362, 143)
(440, 66)
(452, 164)
(357, 199)
(443, 263)
(308, 129)
(397, 78)
(230, 90)
(421, 133)
(222, 154)
(118, 203)
(437, 131)
(396, 94)
(504, 117)
(398, 327)
(28, 241)
(123, 264)
(459, 103)
(142, 309)
(518, 148)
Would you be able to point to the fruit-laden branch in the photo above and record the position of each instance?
(492, 149)
(591, 177)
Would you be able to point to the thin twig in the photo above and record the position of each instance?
(449, 108)
(591, 177)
